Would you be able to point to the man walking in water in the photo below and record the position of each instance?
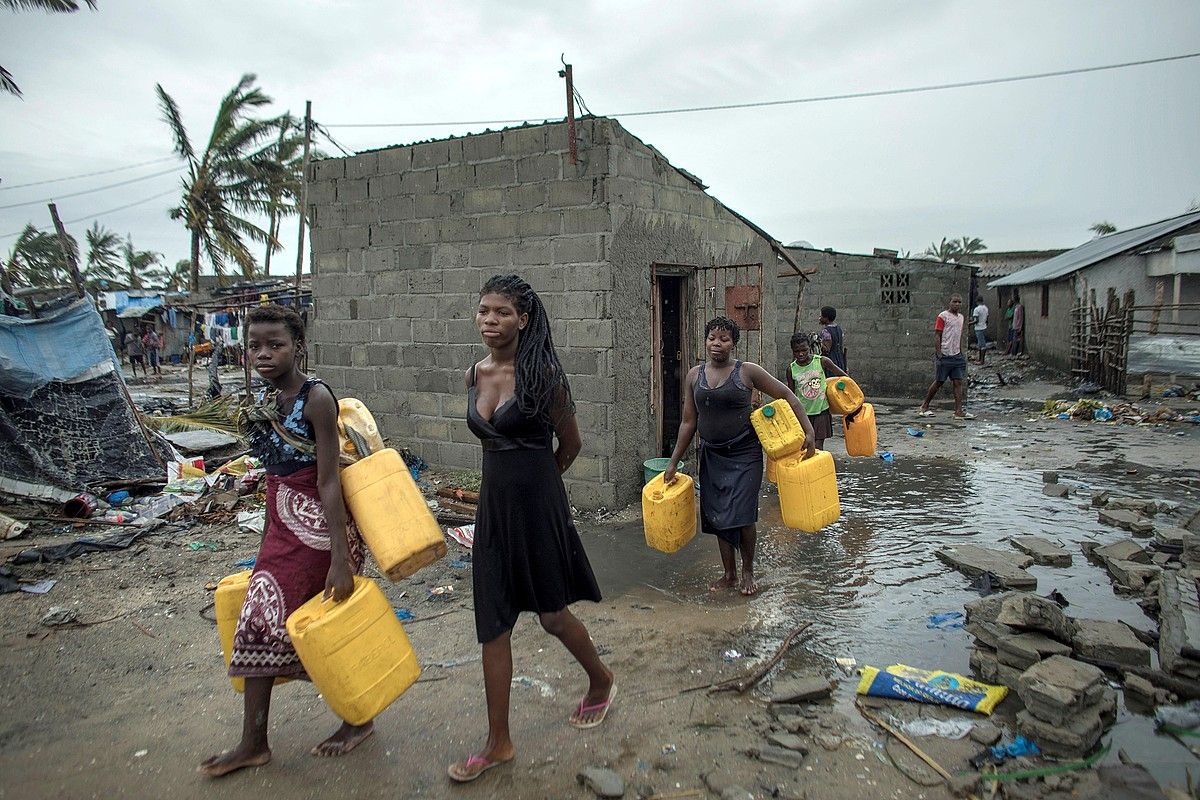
(948, 357)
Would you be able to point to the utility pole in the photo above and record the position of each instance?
(68, 255)
(566, 72)
(303, 215)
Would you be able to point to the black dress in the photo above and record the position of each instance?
(527, 554)
(731, 461)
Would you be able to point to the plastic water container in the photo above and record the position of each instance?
(355, 651)
(669, 512)
(391, 514)
(843, 395)
(861, 434)
(808, 492)
(227, 604)
(354, 414)
(772, 470)
(778, 429)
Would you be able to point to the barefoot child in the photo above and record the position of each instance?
(309, 546)
(808, 372)
(527, 554)
(717, 401)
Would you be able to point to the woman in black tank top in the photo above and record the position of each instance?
(718, 402)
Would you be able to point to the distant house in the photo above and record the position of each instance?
(1000, 264)
(1159, 262)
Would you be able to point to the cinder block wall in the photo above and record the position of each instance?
(659, 215)
(889, 344)
(403, 238)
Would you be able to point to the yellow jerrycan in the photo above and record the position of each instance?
(843, 395)
(354, 415)
(778, 429)
(227, 605)
(669, 512)
(355, 651)
(772, 470)
(861, 434)
(391, 514)
(808, 492)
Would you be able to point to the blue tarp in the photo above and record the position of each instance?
(66, 345)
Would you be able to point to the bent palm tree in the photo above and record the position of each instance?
(945, 251)
(140, 265)
(225, 180)
(1103, 228)
(969, 246)
(7, 84)
(103, 255)
(284, 181)
(36, 259)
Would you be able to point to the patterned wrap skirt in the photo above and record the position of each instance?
(292, 565)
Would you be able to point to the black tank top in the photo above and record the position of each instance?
(722, 413)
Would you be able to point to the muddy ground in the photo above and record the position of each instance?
(129, 705)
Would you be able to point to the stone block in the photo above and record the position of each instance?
(1109, 641)
(1124, 550)
(431, 205)
(566, 193)
(986, 609)
(1049, 477)
(1059, 686)
(450, 255)
(772, 754)
(594, 333)
(455, 176)
(458, 229)
(1137, 505)
(531, 252)
(463, 281)
(526, 197)
(1023, 650)
(1043, 551)
(395, 159)
(328, 168)
(1142, 528)
(332, 263)
(1056, 490)
(1119, 518)
(1179, 622)
(1030, 612)
(362, 165)
(482, 147)
(1132, 575)
(496, 173)
(430, 154)
(426, 281)
(420, 181)
(497, 226)
(482, 201)
(351, 190)
(597, 219)
(391, 283)
(490, 254)
(524, 141)
(387, 234)
(578, 249)
(800, 688)
(987, 667)
(974, 560)
(1172, 538)
(989, 633)
(1071, 741)
(539, 223)
(535, 169)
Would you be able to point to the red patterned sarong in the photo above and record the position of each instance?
(292, 565)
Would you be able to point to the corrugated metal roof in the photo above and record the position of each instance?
(1096, 250)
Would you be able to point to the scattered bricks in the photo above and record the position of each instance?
(1049, 477)
(1132, 575)
(1124, 550)
(1118, 518)
(1056, 490)
(1023, 650)
(1030, 612)
(1142, 528)
(986, 609)
(799, 688)
(1171, 538)
(1072, 740)
(973, 560)
(1100, 499)
(1108, 641)
(1146, 507)
(1043, 551)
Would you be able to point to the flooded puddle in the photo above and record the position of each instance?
(871, 581)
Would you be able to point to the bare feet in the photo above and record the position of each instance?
(726, 581)
(593, 708)
(476, 765)
(749, 588)
(231, 761)
(344, 740)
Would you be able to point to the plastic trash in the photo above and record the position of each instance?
(1102, 415)
(1063, 415)
(464, 535)
(945, 728)
(902, 682)
(197, 546)
(914, 432)
(731, 655)
(544, 689)
(1017, 748)
(459, 563)
(248, 563)
(41, 587)
(945, 621)
(116, 498)
(887, 456)
(403, 614)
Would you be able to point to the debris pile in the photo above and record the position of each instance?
(1117, 413)
(1068, 706)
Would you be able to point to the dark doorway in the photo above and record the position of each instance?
(671, 294)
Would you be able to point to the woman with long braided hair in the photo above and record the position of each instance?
(527, 553)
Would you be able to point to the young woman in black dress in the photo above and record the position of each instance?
(527, 553)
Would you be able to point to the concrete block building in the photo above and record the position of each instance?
(629, 254)
(886, 306)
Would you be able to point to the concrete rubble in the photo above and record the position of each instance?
(973, 560)
(1068, 705)
(800, 688)
(1043, 551)
(1101, 640)
(1179, 624)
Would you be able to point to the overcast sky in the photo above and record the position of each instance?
(1023, 166)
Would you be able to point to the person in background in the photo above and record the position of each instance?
(1008, 327)
(836, 347)
(137, 355)
(152, 342)
(808, 372)
(949, 360)
(979, 318)
(717, 402)
(1018, 325)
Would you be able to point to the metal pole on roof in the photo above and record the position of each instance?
(303, 216)
(68, 254)
(566, 72)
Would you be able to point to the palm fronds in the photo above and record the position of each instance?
(216, 415)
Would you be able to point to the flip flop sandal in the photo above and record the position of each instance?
(926, 413)
(465, 775)
(585, 709)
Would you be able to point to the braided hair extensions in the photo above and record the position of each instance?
(540, 378)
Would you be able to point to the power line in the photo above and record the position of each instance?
(92, 191)
(106, 211)
(89, 174)
(325, 132)
(797, 101)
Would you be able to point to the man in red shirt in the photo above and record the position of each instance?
(949, 359)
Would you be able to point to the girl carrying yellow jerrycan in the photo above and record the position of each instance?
(808, 495)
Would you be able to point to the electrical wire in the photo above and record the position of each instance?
(172, 171)
(106, 211)
(324, 132)
(797, 101)
(89, 174)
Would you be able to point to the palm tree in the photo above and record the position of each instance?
(284, 181)
(141, 265)
(969, 246)
(103, 255)
(36, 259)
(175, 279)
(945, 251)
(1103, 228)
(225, 179)
(7, 84)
